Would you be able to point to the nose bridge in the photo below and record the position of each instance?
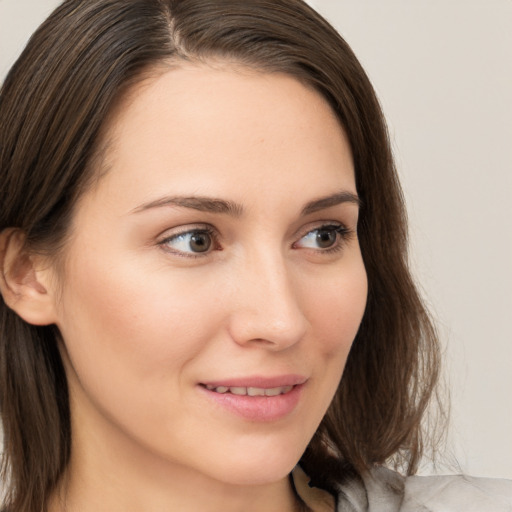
(267, 307)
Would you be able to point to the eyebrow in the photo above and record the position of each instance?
(215, 205)
(333, 200)
(200, 203)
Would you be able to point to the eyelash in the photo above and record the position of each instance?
(208, 230)
(343, 235)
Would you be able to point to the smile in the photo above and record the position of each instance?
(256, 399)
(250, 391)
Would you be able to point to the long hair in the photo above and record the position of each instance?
(53, 105)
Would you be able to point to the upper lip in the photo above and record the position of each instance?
(257, 381)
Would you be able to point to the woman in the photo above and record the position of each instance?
(202, 231)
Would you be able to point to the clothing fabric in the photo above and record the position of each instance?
(383, 490)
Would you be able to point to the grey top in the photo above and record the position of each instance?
(383, 490)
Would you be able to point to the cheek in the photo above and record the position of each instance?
(130, 320)
(337, 308)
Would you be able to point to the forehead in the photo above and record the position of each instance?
(205, 127)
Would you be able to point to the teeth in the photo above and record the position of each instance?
(236, 390)
(278, 391)
(255, 391)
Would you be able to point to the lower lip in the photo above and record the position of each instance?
(258, 408)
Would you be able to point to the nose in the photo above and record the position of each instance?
(266, 303)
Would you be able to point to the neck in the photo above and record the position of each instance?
(118, 495)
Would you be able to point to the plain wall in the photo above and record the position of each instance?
(443, 72)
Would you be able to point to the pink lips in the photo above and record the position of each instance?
(259, 382)
(258, 399)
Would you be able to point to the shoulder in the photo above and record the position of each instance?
(384, 490)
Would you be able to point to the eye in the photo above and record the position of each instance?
(324, 238)
(189, 243)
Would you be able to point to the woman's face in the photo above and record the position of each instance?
(216, 259)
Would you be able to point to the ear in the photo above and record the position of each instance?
(24, 280)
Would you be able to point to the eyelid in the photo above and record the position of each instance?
(344, 234)
(313, 226)
(172, 234)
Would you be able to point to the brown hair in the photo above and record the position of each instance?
(53, 105)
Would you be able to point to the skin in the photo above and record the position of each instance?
(145, 319)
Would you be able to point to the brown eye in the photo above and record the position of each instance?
(326, 237)
(192, 242)
(200, 242)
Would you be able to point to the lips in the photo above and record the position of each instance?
(257, 399)
(258, 382)
(250, 391)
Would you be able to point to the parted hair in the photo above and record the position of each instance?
(53, 105)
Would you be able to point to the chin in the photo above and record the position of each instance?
(260, 467)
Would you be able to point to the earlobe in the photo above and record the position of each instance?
(24, 286)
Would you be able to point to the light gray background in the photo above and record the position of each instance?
(443, 72)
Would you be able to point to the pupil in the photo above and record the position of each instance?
(326, 238)
(200, 242)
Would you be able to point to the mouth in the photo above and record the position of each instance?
(249, 391)
(257, 399)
